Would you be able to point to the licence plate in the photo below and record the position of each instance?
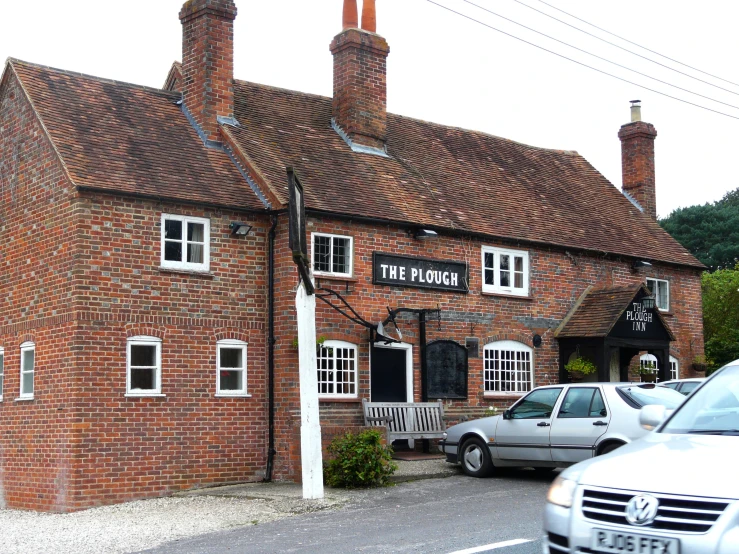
(615, 541)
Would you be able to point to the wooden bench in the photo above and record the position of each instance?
(406, 420)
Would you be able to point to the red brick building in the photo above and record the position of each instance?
(148, 340)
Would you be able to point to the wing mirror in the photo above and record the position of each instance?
(651, 416)
(507, 414)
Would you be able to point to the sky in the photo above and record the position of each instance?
(446, 68)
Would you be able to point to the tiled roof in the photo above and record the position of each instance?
(124, 138)
(445, 177)
(599, 310)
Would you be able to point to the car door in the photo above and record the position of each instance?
(523, 431)
(582, 417)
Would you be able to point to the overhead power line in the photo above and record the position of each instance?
(601, 57)
(631, 42)
(580, 63)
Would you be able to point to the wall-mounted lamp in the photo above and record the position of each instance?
(648, 302)
(425, 234)
(640, 263)
(240, 229)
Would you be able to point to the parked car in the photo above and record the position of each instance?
(673, 491)
(555, 426)
(684, 386)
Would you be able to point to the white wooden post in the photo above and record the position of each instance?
(310, 427)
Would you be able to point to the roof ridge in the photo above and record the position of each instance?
(424, 121)
(16, 61)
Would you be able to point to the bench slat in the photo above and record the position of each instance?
(406, 420)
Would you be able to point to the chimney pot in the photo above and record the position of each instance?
(635, 110)
(369, 16)
(350, 17)
(637, 161)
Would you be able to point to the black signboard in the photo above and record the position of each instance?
(404, 271)
(446, 370)
(639, 322)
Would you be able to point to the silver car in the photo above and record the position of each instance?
(555, 426)
(674, 491)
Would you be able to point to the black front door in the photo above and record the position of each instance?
(387, 377)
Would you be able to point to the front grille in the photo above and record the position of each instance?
(675, 513)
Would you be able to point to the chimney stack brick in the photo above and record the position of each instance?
(207, 61)
(637, 162)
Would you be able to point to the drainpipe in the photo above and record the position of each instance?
(271, 340)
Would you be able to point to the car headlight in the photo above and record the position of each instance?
(562, 492)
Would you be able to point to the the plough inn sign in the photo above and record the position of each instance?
(404, 271)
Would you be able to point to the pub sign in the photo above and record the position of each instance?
(404, 271)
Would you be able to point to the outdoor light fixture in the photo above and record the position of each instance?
(425, 234)
(240, 229)
(640, 263)
(648, 302)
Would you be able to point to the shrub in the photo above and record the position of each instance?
(359, 460)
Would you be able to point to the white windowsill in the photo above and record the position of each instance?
(23, 399)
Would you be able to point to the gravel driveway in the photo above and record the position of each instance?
(136, 526)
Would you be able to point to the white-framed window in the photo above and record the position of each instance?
(508, 367)
(2, 371)
(337, 369)
(661, 291)
(28, 363)
(332, 254)
(231, 368)
(648, 367)
(185, 242)
(143, 366)
(505, 271)
(674, 368)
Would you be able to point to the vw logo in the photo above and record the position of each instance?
(642, 509)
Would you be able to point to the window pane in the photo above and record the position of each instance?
(173, 251)
(489, 260)
(231, 357)
(27, 383)
(195, 232)
(518, 261)
(321, 253)
(505, 278)
(518, 280)
(143, 378)
(341, 255)
(577, 403)
(489, 277)
(505, 262)
(172, 229)
(598, 408)
(232, 380)
(195, 253)
(28, 356)
(143, 355)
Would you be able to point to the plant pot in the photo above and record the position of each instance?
(576, 376)
(649, 377)
(699, 367)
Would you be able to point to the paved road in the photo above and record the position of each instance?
(456, 514)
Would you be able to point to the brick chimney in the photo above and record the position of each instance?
(360, 78)
(207, 61)
(637, 160)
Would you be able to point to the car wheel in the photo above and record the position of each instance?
(610, 447)
(475, 457)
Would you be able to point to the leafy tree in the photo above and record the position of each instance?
(710, 232)
(721, 316)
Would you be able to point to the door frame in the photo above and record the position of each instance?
(408, 365)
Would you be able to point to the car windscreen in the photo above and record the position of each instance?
(644, 395)
(712, 409)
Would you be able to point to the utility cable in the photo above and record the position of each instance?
(581, 63)
(639, 45)
(602, 58)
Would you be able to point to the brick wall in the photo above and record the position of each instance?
(557, 279)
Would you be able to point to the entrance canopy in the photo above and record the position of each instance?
(610, 326)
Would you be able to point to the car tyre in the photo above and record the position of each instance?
(610, 447)
(475, 457)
